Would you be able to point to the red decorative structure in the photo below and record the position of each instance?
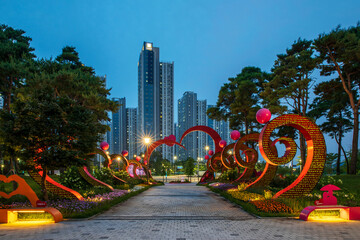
(91, 179)
(125, 153)
(235, 135)
(316, 153)
(156, 144)
(211, 152)
(10, 215)
(104, 146)
(207, 177)
(329, 203)
(222, 143)
(211, 132)
(53, 186)
(263, 115)
(328, 197)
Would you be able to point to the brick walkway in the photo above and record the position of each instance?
(181, 212)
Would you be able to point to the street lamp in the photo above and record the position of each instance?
(175, 157)
(207, 148)
(147, 141)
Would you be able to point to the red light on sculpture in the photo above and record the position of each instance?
(104, 146)
(211, 152)
(125, 153)
(138, 158)
(263, 115)
(235, 135)
(222, 143)
(207, 157)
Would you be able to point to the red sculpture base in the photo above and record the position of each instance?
(346, 213)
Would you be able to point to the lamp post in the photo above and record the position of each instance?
(147, 141)
(175, 157)
(118, 158)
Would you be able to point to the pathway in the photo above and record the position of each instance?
(182, 212)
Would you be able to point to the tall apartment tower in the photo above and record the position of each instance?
(187, 118)
(201, 120)
(1, 103)
(222, 127)
(118, 128)
(167, 105)
(149, 92)
(131, 133)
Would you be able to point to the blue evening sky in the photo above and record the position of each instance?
(208, 40)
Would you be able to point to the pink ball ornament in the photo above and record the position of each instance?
(211, 152)
(222, 143)
(207, 157)
(235, 135)
(104, 146)
(263, 115)
(138, 158)
(125, 153)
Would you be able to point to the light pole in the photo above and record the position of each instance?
(147, 141)
(175, 157)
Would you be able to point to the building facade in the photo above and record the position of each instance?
(131, 132)
(222, 127)
(148, 121)
(187, 118)
(167, 106)
(118, 128)
(201, 120)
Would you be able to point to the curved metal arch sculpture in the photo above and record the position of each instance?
(151, 148)
(208, 130)
(316, 153)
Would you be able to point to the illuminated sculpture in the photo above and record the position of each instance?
(169, 141)
(329, 203)
(316, 153)
(10, 215)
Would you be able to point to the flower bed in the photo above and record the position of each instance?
(245, 196)
(73, 208)
(223, 186)
(271, 206)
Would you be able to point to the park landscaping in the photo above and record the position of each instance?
(258, 201)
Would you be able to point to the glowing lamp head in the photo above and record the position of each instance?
(125, 153)
(104, 146)
(211, 152)
(222, 143)
(147, 140)
(235, 135)
(263, 115)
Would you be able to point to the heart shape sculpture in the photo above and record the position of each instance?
(22, 189)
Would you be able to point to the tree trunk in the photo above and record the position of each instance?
(354, 153)
(43, 184)
(339, 155)
(302, 150)
(346, 159)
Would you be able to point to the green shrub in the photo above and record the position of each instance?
(325, 180)
(71, 178)
(229, 175)
(279, 182)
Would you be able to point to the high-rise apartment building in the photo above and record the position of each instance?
(131, 133)
(149, 92)
(222, 127)
(167, 105)
(201, 120)
(187, 118)
(118, 128)
(1, 103)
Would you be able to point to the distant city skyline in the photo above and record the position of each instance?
(208, 40)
